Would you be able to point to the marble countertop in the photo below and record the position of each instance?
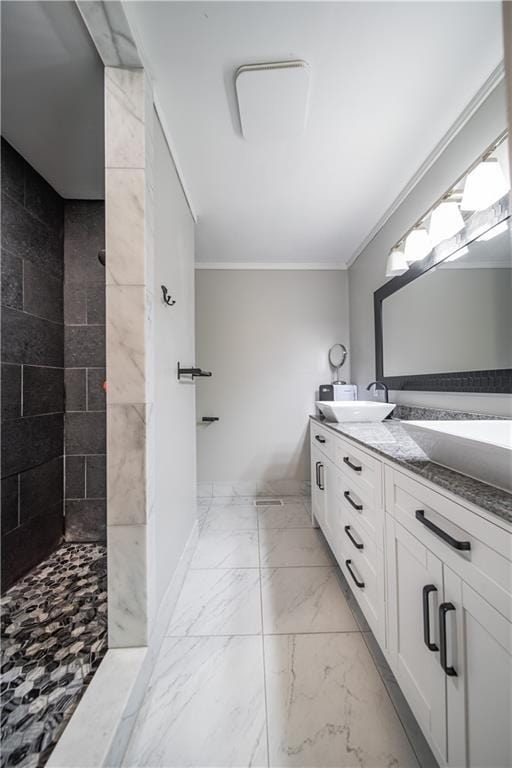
(390, 440)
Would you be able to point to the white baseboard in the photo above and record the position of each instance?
(230, 488)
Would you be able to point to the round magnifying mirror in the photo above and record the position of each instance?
(337, 356)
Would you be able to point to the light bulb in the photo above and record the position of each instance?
(417, 245)
(445, 222)
(396, 263)
(484, 185)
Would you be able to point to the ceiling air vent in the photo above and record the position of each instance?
(273, 99)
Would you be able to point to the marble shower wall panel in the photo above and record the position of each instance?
(32, 367)
(128, 110)
(84, 359)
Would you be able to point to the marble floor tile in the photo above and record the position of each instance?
(290, 515)
(226, 549)
(205, 706)
(327, 705)
(299, 600)
(232, 517)
(218, 602)
(292, 547)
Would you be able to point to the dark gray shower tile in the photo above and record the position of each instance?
(43, 390)
(13, 172)
(9, 503)
(85, 433)
(11, 391)
(28, 238)
(86, 520)
(31, 340)
(12, 280)
(41, 488)
(84, 237)
(95, 389)
(27, 545)
(96, 304)
(84, 346)
(75, 385)
(75, 477)
(31, 441)
(42, 201)
(75, 303)
(96, 477)
(42, 293)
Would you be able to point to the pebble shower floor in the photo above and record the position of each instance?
(54, 636)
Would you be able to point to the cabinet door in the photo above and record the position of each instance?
(479, 648)
(415, 591)
(318, 495)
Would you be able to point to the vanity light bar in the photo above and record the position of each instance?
(453, 194)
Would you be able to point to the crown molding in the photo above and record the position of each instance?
(480, 96)
(269, 265)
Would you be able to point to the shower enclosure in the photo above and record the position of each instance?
(53, 457)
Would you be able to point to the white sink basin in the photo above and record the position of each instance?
(481, 449)
(354, 410)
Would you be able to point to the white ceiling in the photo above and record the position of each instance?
(387, 81)
(52, 95)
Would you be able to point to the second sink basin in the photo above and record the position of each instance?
(354, 410)
(479, 448)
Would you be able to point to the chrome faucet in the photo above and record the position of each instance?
(379, 385)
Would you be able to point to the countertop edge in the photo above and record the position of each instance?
(489, 496)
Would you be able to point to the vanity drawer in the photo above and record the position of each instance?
(323, 439)
(356, 499)
(363, 570)
(361, 469)
(478, 551)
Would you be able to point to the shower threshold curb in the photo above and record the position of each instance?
(99, 729)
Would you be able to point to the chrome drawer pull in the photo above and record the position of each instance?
(460, 545)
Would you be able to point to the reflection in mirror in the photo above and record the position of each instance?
(455, 317)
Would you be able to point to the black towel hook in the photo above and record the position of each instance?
(167, 296)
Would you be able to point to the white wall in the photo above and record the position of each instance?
(265, 335)
(368, 271)
(174, 417)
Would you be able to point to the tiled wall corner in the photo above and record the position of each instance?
(129, 255)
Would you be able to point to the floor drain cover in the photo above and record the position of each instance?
(268, 503)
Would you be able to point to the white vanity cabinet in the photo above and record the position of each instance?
(437, 593)
(449, 622)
